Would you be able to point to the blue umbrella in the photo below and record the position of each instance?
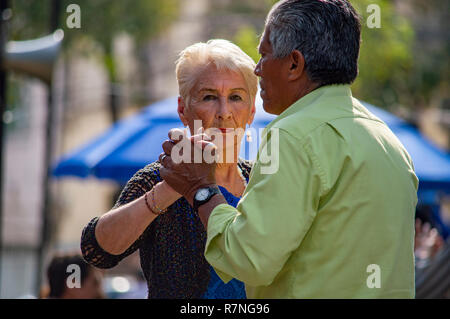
(134, 142)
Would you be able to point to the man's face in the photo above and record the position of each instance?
(273, 74)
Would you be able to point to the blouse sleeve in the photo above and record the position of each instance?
(137, 186)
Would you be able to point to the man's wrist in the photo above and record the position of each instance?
(191, 195)
(204, 211)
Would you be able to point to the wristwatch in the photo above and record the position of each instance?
(203, 195)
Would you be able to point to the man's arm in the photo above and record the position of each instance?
(204, 211)
(253, 241)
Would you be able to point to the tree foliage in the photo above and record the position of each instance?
(386, 56)
(246, 38)
(101, 20)
(395, 68)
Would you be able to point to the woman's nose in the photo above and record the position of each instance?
(224, 111)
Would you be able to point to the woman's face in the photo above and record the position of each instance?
(221, 100)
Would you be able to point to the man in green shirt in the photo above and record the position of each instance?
(334, 216)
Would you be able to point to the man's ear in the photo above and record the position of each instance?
(297, 65)
(181, 111)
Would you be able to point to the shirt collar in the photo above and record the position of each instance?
(327, 91)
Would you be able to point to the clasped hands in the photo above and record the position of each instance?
(188, 163)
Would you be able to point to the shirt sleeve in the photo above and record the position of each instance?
(253, 241)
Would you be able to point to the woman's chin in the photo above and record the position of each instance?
(230, 141)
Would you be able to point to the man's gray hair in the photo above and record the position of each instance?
(326, 32)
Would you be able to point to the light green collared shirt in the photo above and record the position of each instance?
(332, 218)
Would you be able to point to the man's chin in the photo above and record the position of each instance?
(268, 107)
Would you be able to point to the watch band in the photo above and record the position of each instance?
(213, 190)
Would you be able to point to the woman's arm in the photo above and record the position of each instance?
(119, 228)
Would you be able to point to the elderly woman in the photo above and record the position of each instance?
(217, 86)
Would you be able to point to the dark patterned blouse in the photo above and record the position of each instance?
(171, 248)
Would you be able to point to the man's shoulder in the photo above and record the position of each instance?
(320, 114)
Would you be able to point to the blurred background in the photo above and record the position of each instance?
(85, 75)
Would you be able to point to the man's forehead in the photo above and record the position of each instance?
(264, 43)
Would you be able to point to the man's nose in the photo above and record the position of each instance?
(257, 70)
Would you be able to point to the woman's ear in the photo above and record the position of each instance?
(297, 65)
(181, 111)
(252, 114)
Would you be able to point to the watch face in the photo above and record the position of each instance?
(202, 194)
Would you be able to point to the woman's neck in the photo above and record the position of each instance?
(226, 173)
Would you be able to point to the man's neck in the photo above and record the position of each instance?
(300, 91)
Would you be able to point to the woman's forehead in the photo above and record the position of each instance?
(218, 80)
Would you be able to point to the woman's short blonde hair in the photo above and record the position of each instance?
(223, 54)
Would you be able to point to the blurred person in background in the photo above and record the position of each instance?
(217, 86)
(432, 262)
(432, 254)
(427, 240)
(61, 273)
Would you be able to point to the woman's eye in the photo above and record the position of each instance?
(209, 98)
(235, 98)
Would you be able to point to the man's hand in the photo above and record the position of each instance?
(183, 162)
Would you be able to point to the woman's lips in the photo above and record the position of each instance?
(221, 130)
